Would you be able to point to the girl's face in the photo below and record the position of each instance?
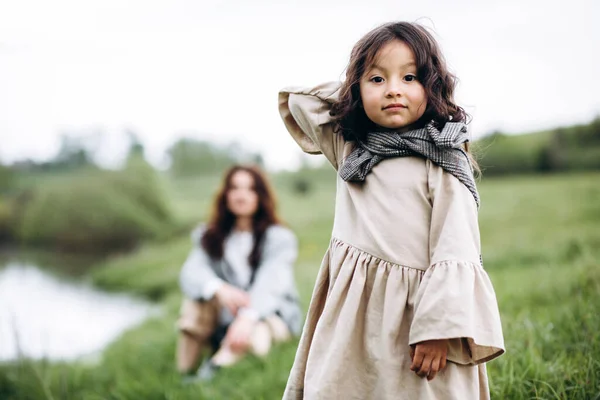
(242, 199)
(391, 95)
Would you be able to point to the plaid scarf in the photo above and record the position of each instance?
(443, 148)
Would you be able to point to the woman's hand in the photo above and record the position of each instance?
(239, 333)
(429, 357)
(232, 298)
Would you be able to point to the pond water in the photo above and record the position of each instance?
(45, 314)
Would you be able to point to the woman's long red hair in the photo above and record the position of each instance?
(222, 220)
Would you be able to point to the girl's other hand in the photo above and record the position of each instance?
(429, 357)
(232, 298)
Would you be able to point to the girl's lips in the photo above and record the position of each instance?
(394, 107)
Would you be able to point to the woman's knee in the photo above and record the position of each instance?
(260, 341)
(198, 319)
(278, 328)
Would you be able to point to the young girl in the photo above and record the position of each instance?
(238, 279)
(402, 308)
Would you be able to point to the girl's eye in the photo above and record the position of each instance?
(410, 78)
(377, 79)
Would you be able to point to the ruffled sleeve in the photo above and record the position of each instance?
(456, 299)
(305, 113)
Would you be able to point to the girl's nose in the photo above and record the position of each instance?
(394, 90)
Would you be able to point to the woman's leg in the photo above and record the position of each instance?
(188, 351)
(197, 323)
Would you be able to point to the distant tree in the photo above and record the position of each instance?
(194, 157)
(77, 149)
(197, 157)
(136, 147)
(72, 153)
(135, 158)
(259, 160)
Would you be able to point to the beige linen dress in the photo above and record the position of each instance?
(403, 266)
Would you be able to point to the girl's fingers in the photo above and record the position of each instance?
(417, 360)
(427, 360)
(435, 367)
(443, 363)
(425, 367)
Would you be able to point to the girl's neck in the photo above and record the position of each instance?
(402, 129)
(243, 224)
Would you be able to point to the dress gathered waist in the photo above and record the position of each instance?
(342, 242)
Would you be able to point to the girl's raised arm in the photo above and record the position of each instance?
(305, 113)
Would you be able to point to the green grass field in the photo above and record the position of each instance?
(541, 239)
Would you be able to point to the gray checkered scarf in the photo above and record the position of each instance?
(443, 148)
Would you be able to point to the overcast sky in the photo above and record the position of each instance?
(212, 69)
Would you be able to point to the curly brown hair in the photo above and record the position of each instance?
(223, 220)
(432, 72)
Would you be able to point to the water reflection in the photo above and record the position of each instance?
(42, 315)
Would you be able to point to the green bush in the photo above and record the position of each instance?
(561, 149)
(97, 211)
(5, 222)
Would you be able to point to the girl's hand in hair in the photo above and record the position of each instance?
(429, 357)
(232, 298)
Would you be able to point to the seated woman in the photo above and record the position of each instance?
(238, 280)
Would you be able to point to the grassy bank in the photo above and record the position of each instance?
(88, 210)
(541, 248)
